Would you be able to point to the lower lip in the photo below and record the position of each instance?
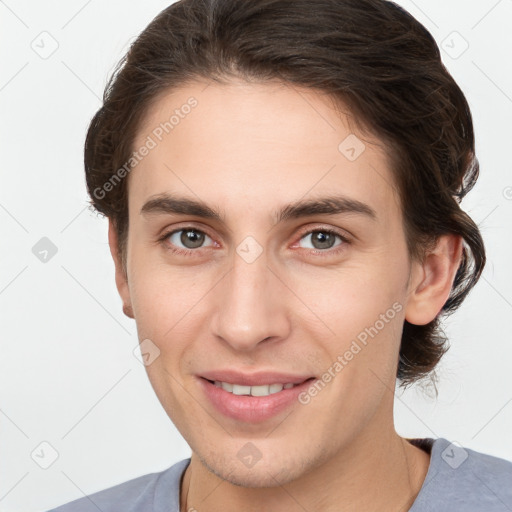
(251, 409)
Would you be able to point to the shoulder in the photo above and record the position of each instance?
(460, 478)
(140, 494)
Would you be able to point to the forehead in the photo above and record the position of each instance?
(251, 145)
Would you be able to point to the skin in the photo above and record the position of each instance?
(248, 149)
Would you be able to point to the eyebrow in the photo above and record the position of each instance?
(331, 205)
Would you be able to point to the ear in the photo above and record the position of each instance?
(121, 277)
(432, 280)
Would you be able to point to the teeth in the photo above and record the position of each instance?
(260, 390)
(265, 390)
(227, 386)
(275, 388)
(241, 390)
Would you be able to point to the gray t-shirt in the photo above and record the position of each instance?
(458, 480)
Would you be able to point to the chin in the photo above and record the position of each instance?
(271, 470)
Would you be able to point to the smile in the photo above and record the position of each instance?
(252, 403)
(263, 390)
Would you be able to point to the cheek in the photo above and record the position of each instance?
(345, 301)
(166, 312)
(358, 321)
(162, 302)
(171, 307)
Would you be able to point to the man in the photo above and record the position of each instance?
(282, 181)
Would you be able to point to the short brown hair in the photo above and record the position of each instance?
(369, 54)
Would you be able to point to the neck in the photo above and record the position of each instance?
(384, 475)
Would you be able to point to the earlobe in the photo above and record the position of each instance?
(121, 277)
(429, 292)
(128, 311)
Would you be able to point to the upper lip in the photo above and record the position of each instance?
(254, 379)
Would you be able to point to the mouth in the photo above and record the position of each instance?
(260, 390)
(255, 403)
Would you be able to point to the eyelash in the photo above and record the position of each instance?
(321, 253)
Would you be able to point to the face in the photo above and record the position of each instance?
(251, 291)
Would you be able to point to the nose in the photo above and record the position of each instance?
(250, 305)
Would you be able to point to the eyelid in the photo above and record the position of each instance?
(345, 237)
(342, 233)
(167, 231)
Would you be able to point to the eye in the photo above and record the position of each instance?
(185, 240)
(321, 240)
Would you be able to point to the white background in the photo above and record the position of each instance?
(68, 373)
